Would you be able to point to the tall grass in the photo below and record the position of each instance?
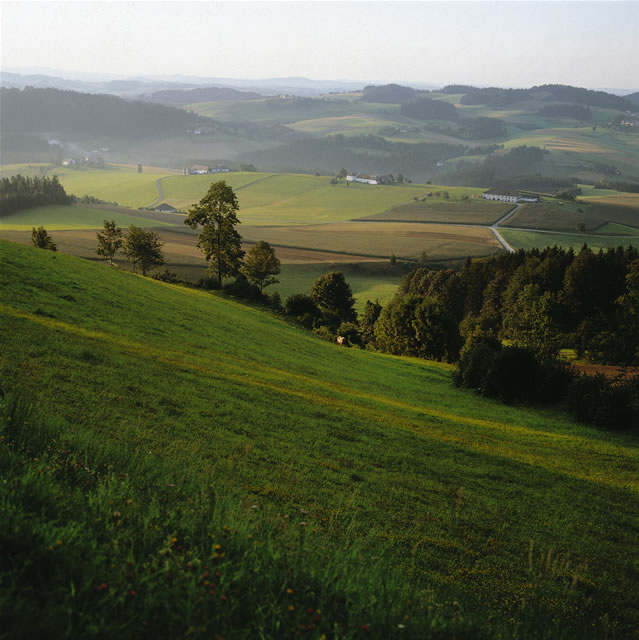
(103, 541)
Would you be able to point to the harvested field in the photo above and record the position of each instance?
(380, 239)
(608, 370)
(473, 211)
(593, 213)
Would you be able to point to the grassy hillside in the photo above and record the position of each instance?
(118, 183)
(61, 217)
(520, 511)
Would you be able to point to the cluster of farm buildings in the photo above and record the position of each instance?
(199, 169)
(503, 195)
(509, 196)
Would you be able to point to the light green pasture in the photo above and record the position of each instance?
(24, 169)
(539, 240)
(365, 285)
(60, 217)
(614, 228)
(294, 198)
(184, 191)
(118, 183)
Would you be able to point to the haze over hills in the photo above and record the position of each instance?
(461, 134)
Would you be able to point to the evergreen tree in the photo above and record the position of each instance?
(216, 213)
(41, 239)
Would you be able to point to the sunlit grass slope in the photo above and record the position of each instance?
(293, 198)
(465, 491)
(117, 183)
(60, 217)
(539, 240)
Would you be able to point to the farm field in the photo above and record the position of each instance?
(30, 169)
(119, 183)
(288, 111)
(381, 239)
(300, 267)
(352, 124)
(367, 280)
(538, 240)
(593, 212)
(303, 199)
(60, 217)
(460, 493)
(264, 198)
(184, 191)
(474, 211)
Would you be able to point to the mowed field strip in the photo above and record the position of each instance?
(60, 217)
(117, 183)
(381, 239)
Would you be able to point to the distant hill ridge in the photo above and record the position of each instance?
(496, 96)
(633, 97)
(205, 94)
(60, 112)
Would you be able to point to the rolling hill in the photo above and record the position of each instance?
(494, 515)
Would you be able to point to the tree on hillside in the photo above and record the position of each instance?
(139, 168)
(261, 264)
(41, 239)
(144, 248)
(216, 213)
(332, 294)
(109, 240)
(341, 174)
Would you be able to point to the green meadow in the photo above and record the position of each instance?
(538, 240)
(502, 521)
(117, 183)
(557, 215)
(60, 217)
(368, 281)
(475, 210)
(300, 199)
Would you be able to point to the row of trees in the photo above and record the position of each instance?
(216, 217)
(144, 248)
(542, 300)
(539, 300)
(22, 192)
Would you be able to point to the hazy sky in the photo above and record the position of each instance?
(590, 44)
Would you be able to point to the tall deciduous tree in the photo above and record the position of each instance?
(332, 294)
(261, 264)
(109, 240)
(41, 239)
(216, 213)
(144, 248)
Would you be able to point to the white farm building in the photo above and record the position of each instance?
(509, 196)
(362, 177)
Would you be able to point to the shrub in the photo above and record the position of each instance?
(208, 283)
(275, 301)
(299, 304)
(167, 276)
(609, 403)
(242, 288)
(514, 374)
(302, 308)
(351, 332)
(511, 373)
(472, 370)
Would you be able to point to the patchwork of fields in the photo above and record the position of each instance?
(315, 225)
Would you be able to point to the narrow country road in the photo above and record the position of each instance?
(158, 184)
(500, 238)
